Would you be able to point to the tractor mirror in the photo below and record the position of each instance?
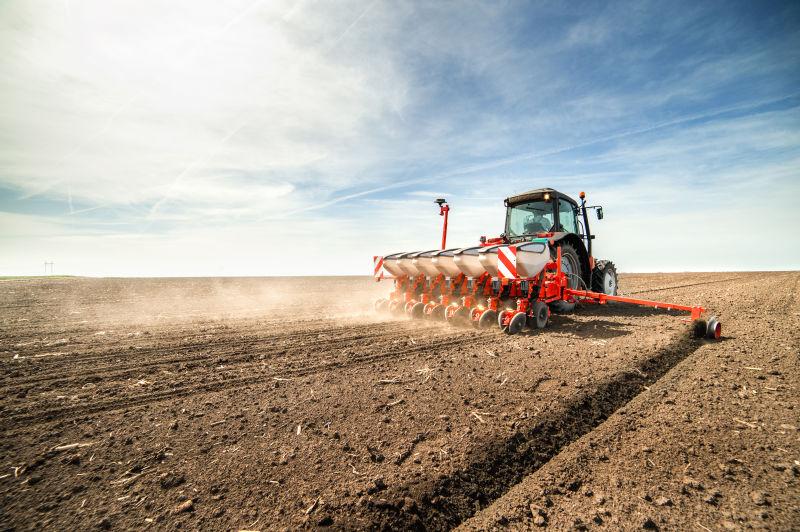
(599, 213)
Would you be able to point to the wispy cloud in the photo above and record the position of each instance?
(320, 123)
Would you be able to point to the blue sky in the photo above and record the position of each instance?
(300, 137)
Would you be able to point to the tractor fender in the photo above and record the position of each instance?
(577, 243)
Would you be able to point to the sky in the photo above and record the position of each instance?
(300, 137)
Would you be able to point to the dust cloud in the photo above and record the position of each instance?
(170, 300)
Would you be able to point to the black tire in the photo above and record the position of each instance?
(418, 311)
(571, 265)
(699, 328)
(604, 278)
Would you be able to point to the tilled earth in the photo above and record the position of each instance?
(226, 404)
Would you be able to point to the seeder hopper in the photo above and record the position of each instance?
(542, 263)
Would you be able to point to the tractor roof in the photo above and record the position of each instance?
(537, 194)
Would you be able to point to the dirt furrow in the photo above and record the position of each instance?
(240, 352)
(196, 340)
(307, 422)
(38, 416)
(706, 447)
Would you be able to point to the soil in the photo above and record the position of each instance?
(259, 404)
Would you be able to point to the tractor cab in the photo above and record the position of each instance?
(547, 213)
(540, 211)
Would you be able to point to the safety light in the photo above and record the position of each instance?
(582, 195)
(547, 196)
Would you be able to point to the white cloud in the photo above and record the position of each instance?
(201, 137)
(117, 102)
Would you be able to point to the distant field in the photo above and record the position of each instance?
(230, 403)
(30, 277)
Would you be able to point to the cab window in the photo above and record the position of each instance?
(529, 218)
(567, 216)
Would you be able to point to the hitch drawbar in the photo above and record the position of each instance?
(711, 329)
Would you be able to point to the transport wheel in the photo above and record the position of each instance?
(381, 305)
(540, 315)
(699, 328)
(488, 319)
(713, 329)
(571, 266)
(437, 314)
(517, 323)
(604, 278)
(418, 311)
(501, 317)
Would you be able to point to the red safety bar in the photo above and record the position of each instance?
(602, 299)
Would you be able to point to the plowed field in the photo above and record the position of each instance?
(226, 404)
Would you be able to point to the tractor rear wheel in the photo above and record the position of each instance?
(604, 278)
(571, 266)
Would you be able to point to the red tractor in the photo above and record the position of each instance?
(542, 262)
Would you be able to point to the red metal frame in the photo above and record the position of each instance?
(444, 210)
(554, 286)
(602, 299)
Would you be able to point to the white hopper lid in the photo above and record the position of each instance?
(467, 261)
(443, 260)
(390, 262)
(532, 257)
(406, 264)
(488, 258)
(423, 260)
